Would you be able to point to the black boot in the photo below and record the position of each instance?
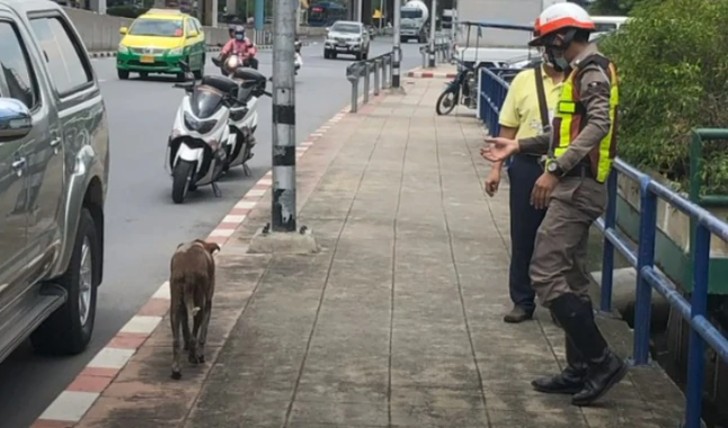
(570, 380)
(605, 369)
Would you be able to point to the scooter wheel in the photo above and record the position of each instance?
(181, 179)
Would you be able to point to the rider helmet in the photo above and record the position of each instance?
(561, 18)
(239, 33)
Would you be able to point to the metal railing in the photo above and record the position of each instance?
(443, 54)
(380, 67)
(492, 93)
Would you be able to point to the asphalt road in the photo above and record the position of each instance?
(143, 226)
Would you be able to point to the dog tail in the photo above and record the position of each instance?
(188, 298)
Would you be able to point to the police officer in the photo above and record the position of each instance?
(581, 148)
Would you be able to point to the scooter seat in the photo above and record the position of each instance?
(222, 83)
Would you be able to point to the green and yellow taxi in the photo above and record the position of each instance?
(157, 41)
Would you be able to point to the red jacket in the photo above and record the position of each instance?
(243, 49)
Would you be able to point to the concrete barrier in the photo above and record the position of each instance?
(100, 33)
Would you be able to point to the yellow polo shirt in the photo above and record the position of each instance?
(520, 108)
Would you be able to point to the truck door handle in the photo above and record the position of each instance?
(54, 145)
(18, 166)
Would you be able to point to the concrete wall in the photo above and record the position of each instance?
(523, 12)
(101, 32)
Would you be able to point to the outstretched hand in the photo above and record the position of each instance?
(499, 148)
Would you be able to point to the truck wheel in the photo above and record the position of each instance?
(123, 74)
(181, 179)
(68, 330)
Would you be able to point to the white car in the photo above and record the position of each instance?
(348, 38)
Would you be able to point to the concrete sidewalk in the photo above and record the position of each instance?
(396, 322)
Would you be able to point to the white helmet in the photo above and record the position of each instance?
(560, 16)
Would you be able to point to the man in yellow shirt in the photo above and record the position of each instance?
(520, 117)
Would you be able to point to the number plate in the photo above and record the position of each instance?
(147, 59)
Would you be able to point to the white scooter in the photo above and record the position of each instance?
(195, 152)
(243, 115)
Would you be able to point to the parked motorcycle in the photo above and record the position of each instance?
(462, 89)
(196, 155)
(298, 60)
(243, 119)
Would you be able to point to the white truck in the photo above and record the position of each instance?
(414, 19)
(497, 45)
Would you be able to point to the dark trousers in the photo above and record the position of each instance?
(525, 220)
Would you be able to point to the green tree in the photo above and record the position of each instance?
(673, 72)
(613, 7)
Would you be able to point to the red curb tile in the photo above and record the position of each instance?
(219, 240)
(86, 383)
(45, 423)
(100, 371)
(239, 211)
(135, 340)
(155, 307)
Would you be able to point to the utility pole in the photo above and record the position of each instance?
(283, 217)
(396, 49)
(259, 21)
(433, 30)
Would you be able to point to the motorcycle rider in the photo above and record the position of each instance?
(240, 46)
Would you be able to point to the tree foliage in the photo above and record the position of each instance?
(673, 66)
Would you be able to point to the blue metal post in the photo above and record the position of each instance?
(698, 308)
(259, 15)
(645, 261)
(610, 219)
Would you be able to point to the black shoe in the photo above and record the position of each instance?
(576, 317)
(603, 375)
(571, 380)
(517, 314)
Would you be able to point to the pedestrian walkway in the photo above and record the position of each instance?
(397, 322)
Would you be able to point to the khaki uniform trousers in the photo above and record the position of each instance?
(558, 265)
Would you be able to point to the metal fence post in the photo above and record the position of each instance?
(610, 219)
(698, 308)
(353, 73)
(366, 81)
(377, 65)
(645, 261)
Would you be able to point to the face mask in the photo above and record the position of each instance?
(545, 58)
(239, 37)
(559, 62)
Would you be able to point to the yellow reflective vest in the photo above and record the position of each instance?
(570, 119)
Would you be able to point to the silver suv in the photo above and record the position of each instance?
(348, 38)
(54, 160)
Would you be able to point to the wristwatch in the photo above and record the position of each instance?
(553, 167)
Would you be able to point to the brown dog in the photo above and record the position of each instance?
(191, 286)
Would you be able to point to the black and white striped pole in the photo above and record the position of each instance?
(396, 49)
(433, 32)
(283, 217)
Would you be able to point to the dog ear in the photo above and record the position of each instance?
(211, 247)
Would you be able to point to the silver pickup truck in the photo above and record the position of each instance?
(54, 162)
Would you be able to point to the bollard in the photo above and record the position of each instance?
(353, 73)
(385, 60)
(366, 81)
(377, 65)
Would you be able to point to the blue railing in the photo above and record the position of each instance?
(642, 257)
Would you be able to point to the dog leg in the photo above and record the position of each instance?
(185, 327)
(202, 338)
(194, 356)
(174, 317)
